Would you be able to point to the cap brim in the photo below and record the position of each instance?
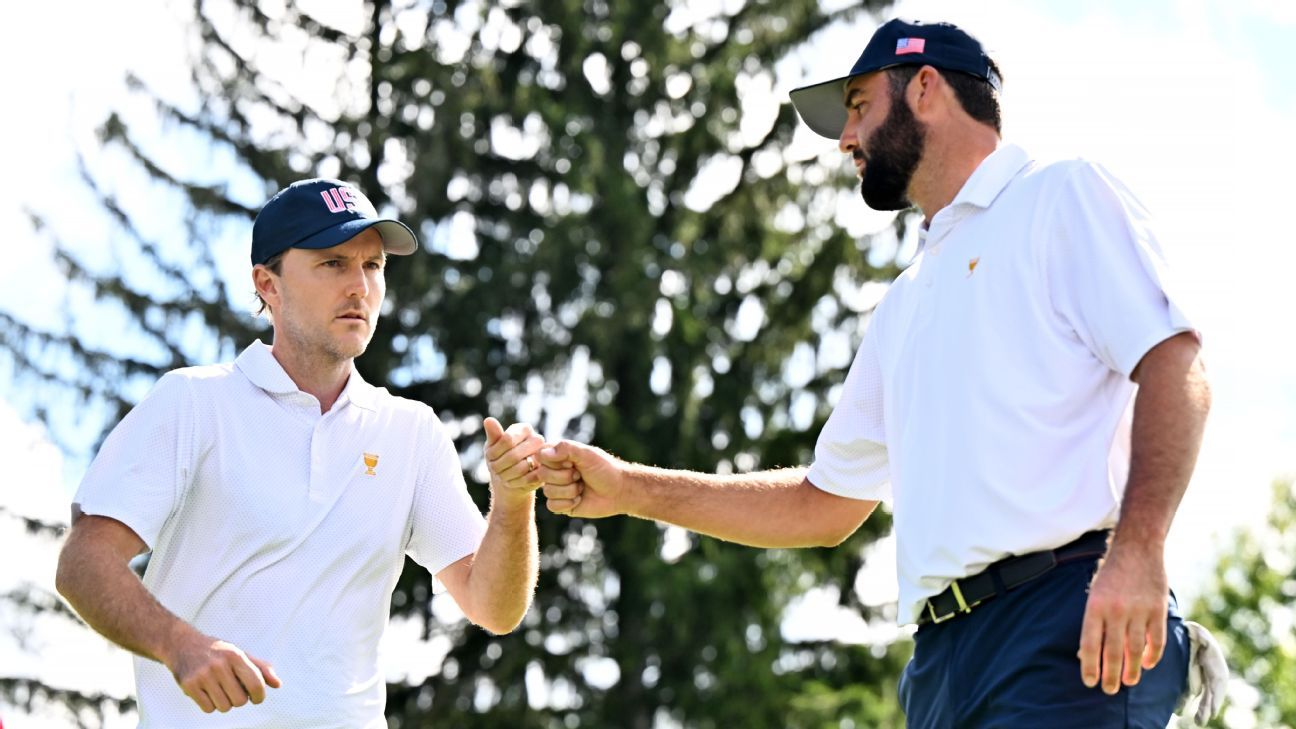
(397, 238)
(820, 107)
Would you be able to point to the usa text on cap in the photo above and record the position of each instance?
(322, 213)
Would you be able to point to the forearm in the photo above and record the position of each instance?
(502, 577)
(778, 508)
(1169, 418)
(112, 600)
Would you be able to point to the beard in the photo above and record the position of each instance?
(316, 343)
(892, 155)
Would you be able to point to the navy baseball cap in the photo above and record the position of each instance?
(322, 213)
(894, 43)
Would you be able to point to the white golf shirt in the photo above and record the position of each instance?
(281, 530)
(990, 399)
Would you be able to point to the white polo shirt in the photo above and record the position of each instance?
(990, 399)
(281, 530)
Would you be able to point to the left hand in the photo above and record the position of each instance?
(1124, 630)
(516, 470)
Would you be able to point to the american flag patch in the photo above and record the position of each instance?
(910, 45)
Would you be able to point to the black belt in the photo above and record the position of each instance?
(963, 595)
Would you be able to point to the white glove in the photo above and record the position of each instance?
(1208, 676)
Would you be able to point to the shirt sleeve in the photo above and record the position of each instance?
(447, 525)
(851, 455)
(140, 475)
(1107, 274)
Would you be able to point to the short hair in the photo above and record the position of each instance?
(975, 94)
(275, 265)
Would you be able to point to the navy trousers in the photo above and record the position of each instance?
(1011, 664)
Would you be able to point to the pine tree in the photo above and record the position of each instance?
(611, 254)
(26, 608)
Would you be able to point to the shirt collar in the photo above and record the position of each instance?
(992, 176)
(358, 392)
(986, 182)
(257, 363)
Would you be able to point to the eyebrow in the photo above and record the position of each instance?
(323, 253)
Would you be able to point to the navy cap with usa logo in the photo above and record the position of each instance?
(322, 213)
(894, 43)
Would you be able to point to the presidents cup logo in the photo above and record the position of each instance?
(370, 461)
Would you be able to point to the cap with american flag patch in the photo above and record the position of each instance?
(910, 45)
(894, 43)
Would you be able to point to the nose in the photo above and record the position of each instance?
(847, 141)
(357, 283)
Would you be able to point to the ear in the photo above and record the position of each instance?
(926, 91)
(266, 283)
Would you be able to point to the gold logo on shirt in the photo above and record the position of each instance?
(972, 264)
(370, 460)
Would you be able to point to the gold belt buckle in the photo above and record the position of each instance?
(936, 619)
(963, 606)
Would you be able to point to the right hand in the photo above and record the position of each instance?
(599, 488)
(1124, 628)
(219, 676)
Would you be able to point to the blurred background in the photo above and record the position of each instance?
(629, 240)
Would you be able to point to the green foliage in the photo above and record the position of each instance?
(1251, 609)
(547, 153)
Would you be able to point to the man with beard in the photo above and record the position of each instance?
(280, 495)
(990, 403)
